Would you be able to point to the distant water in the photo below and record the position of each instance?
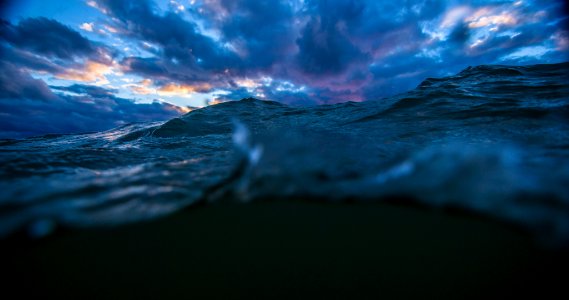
(493, 140)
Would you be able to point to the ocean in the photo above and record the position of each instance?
(491, 140)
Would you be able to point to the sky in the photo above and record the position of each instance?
(70, 66)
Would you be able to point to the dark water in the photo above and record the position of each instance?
(492, 140)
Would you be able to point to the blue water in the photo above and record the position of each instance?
(491, 140)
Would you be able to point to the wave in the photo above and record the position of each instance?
(491, 140)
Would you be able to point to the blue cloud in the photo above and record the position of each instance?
(91, 90)
(324, 49)
(179, 40)
(47, 37)
(16, 83)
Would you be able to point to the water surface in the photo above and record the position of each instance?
(492, 140)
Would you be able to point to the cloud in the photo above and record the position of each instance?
(94, 91)
(46, 46)
(300, 52)
(18, 84)
(262, 33)
(87, 26)
(483, 19)
(76, 114)
(180, 42)
(72, 109)
(535, 52)
(325, 49)
(27, 60)
(91, 71)
(339, 49)
(173, 88)
(47, 37)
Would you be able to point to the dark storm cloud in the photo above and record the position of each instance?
(262, 30)
(256, 36)
(47, 37)
(164, 72)
(460, 34)
(90, 90)
(179, 40)
(148, 67)
(16, 83)
(28, 60)
(324, 49)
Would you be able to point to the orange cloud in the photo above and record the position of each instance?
(87, 26)
(247, 83)
(92, 71)
(176, 108)
(141, 90)
(216, 101)
(481, 19)
(180, 89)
(184, 109)
(146, 82)
(143, 87)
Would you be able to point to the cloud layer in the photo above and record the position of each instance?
(300, 52)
